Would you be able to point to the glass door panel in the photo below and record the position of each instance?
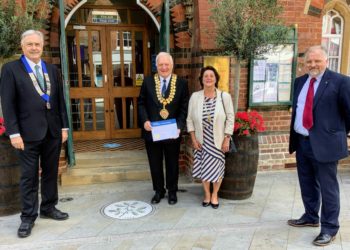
(127, 48)
(139, 59)
(106, 67)
(87, 72)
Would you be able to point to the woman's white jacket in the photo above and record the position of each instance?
(223, 122)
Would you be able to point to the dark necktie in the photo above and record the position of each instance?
(164, 88)
(307, 115)
(39, 76)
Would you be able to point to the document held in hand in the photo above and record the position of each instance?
(166, 129)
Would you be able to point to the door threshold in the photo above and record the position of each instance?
(108, 145)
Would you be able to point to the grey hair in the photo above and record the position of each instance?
(32, 32)
(160, 54)
(320, 48)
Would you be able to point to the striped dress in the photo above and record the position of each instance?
(209, 163)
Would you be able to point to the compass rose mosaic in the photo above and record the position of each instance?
(126, 210)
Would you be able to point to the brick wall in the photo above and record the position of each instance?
(273, 151)
(189, 48)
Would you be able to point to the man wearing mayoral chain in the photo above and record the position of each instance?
(36, 121)
(163, 96)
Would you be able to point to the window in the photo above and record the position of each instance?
(332, 35)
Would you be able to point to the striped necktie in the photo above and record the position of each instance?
(164, 88)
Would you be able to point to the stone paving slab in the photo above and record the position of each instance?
(256, 223)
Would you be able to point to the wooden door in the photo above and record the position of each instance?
(107, 65)
(88, 82)
(127, 66)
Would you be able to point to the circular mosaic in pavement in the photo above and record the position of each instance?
(126, 210)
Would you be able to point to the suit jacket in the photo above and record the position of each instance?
(331, 117)
(149, 106)
(223, 121)
(24, 110)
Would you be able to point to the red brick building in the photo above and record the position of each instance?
(111, 47)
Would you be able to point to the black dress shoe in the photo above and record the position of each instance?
(302, 223)
(323, 239)
(206, 204)
(25, 229)
(172, 199)
(157, 197)
(54, 214)
(215, 206)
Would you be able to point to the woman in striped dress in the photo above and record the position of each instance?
(210, 128)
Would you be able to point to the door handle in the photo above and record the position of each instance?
(105, 78)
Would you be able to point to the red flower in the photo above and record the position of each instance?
(2, 126)
(247, 123)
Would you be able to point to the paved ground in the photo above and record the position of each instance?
(255, 223)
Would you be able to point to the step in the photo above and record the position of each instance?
(111, 157)
(107, 167)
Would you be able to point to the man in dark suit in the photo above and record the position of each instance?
(318, 134)
(163, 96)
(36, 121)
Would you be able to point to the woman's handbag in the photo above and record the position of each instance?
(232, 148)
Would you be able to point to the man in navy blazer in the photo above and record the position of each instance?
(163, 96)
(36, 121)
(320, 142)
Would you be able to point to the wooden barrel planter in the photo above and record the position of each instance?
(240, 169)
(9, 178)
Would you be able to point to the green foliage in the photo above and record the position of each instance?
(15, 19)
(245, 28)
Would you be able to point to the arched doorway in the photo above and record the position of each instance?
(110, 49)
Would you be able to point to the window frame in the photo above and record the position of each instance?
(329, 36)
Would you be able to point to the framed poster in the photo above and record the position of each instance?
(272, 76)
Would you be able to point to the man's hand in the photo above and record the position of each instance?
(64, 135)
(147, 126)
(17, 142)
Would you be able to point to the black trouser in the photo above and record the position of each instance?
(48, 151)
(171, 150)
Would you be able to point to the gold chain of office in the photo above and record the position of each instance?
(164, 113)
